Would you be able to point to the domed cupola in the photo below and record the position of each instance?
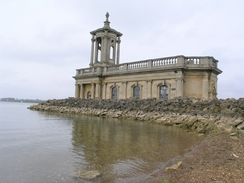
(105, 47)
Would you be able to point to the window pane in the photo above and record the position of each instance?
(137, 92)
(115, 93)
(164, 92)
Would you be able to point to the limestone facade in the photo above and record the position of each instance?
(167, 77)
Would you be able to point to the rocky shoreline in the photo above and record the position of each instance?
(202, 116)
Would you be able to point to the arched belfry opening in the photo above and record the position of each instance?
(105, 45)
(98, 49)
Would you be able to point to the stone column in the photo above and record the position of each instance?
(118, 51)
(96, 51)
(205, 87)
(77, 90)
(105, 53)
(92, 50)
(81, 91)
(114, 51)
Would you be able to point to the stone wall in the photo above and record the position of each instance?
(184, 76)
(201, 116)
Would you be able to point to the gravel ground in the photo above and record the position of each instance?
(217, 159)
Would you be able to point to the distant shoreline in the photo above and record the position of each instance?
(21, 100)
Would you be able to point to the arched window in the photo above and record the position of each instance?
(163, 92)
(136, 92)
(89, 95)
(115, 93)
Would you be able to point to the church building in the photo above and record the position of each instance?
(167, 77)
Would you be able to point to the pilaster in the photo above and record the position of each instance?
(125, 89)
(98, 90)
(149, 88)
(81, 91)
(77, 90)
(104, 88)
(205, 87)
(179, 87)
(92, 90)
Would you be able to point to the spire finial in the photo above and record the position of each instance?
(106, 23)
(107, 15)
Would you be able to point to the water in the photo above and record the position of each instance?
(37, 147)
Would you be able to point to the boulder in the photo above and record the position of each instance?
(190, 121)
(88, 175)
(174, 166)
(240, 127)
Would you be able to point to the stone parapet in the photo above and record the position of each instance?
(151, 65)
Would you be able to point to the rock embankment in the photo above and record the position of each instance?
(202, 116)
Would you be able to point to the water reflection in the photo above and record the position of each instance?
(51, 147)
(123, 148)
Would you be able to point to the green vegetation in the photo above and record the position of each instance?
(165, 181)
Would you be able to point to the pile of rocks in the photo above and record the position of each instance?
(202, 116)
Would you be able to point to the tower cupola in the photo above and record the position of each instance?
(105, 48)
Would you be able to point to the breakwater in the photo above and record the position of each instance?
(202, 116)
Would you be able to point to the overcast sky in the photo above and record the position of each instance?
(43, 42)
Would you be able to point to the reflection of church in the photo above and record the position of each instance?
(166, 77)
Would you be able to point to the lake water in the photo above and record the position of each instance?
(41, 147)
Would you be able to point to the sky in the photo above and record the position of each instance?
(43, 42)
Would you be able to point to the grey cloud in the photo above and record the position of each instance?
(43, 42)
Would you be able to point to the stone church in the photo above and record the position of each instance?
(168, 77)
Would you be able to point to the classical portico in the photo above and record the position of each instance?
(166, 77)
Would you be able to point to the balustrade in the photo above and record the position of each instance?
(117, 67)
(137, 65)
(165, 61)
(83, 71)
(151, 64)
(87, 70)
(192, 60)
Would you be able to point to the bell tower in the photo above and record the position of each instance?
(105, 45)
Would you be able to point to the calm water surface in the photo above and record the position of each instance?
(38, 147)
